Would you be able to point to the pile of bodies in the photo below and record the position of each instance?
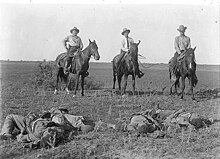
(55, 126)
(164, 121)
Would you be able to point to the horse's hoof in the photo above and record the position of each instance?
(55, 92)
(123, 96)
(74, 96)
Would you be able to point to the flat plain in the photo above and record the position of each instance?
(20, 96)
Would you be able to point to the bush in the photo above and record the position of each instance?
(45, 78)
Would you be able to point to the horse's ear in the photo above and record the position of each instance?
(94, 41)
(89, 41)
(138, 42)
(194, 48)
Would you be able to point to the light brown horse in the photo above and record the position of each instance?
(79, 66)
(185, 68)
(126, 67)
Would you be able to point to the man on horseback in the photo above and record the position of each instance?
(73, 45)
(125, 49)
(181, 44)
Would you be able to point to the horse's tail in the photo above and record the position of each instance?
(115, 64)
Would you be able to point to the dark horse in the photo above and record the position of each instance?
(79, 66)
(183, 69)
(126, 67)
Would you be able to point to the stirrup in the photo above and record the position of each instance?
(86, 74)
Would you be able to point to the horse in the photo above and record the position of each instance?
(125, 68)
(79, 66)
(185, 68)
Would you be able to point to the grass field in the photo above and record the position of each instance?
(18, 95)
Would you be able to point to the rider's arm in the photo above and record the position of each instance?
(80, 44)
(124, 46)
(189, 43)
(176, 45)
(64, 42)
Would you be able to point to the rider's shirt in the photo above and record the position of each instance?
(182, 42)
(126, 43)
(74, 41)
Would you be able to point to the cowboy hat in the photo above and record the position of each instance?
(182, 28)
(125, 30)
(75, 28)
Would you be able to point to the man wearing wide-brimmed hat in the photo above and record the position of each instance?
(181, 44)
(126, 43)
(73, 44)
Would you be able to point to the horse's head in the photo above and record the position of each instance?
(190, 53)
(134, 49)
(94, 49)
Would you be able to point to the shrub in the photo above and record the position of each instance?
(45, 78)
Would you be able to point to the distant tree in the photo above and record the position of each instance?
(8, 60)
(44, 60)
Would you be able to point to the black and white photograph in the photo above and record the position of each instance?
(109, 79)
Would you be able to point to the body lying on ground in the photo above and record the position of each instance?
(163, 120)
(45, 130)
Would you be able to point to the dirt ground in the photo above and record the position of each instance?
(19, 97)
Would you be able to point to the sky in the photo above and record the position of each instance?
(30, 31)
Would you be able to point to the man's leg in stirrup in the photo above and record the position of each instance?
(195, 80)
(67, 64)
(121, 58)
(138, 71)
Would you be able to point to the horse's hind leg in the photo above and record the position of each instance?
(57, 83)
(183, 87)
(114, 80)
(82, 84)
(125, 84)
(76, 84)
(133, 84)
(67, 81)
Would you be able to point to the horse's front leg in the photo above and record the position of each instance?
(57, 83)
(191, 87)
(119, 77)
(82, 84)
(125, 84)
(183, 86)
(133, 83)
(76, 84)
(176, 83)
(67, 82)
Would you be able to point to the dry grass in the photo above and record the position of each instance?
(19, 96)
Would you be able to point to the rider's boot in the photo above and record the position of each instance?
(140, 74)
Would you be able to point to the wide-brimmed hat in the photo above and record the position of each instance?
(75, 28)
(125, 30)
(182, 28)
